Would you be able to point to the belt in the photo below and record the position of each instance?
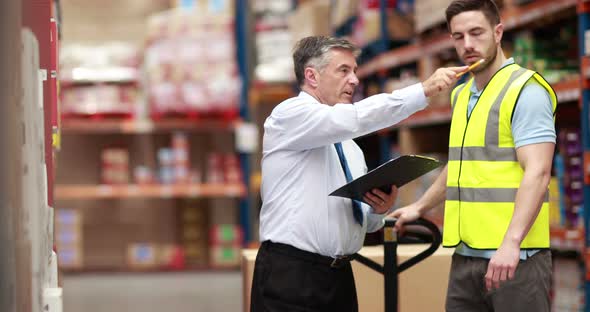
(289, 250)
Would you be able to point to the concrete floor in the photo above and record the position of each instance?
(154, 292)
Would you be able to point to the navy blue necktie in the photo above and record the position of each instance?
(357, 211)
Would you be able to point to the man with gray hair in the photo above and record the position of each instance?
(303, 263)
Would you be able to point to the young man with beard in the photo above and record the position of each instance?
(307, 236)
(496, 181)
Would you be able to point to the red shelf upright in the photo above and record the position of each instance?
(37, 16)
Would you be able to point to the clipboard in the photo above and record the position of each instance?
(397, 171)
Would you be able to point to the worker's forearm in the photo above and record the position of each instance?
(529, 199)
(435, 194)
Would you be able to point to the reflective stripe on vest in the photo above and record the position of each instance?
(483, 174)
(490, 195)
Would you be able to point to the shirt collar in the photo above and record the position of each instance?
(476, 92)
(305, 95)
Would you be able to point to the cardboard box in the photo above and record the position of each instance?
(115, 166)
(171, 256)
(70, 257)
(311, 18)
(195, 253)
(429, 13)
(68, 237)
(423, 287)
(342, 11)
(141, 255)
(218, 7)
(226, 234)
(68, 217)
(191, 214)
(193, 226)
(224, 256)
(399, 27)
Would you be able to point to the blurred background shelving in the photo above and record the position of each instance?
(151, 176)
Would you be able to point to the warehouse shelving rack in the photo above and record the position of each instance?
(96, 127)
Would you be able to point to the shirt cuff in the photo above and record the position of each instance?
(376, 221)
(372, 211)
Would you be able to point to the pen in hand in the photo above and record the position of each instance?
(471, 67)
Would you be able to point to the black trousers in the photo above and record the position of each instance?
(289, 279)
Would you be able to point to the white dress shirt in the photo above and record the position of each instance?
(300, 167)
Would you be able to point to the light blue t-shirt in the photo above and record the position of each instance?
(532, 123)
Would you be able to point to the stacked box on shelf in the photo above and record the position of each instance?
(180, 165)
(399, 11)
(367, 29)
(69, 238)
(569, 170)
(89, 62)
(405, 79)
(342, 11)
(174, 161)
(220, 7)
(215, 168)
(166, 165)
(171, 256)
(223, 169)
(143, 175)
(92, 100)
(191, 66)
(556, 58)
(429, 13)
(152, 255)
(232, 171)
(99, 80)
(173, 164)
(115, 166)
(193, 227)
(274, 41)
(310, 19)
(568, 285)
(225, 245)
(142, 255)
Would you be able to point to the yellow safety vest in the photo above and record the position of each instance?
(483, 171)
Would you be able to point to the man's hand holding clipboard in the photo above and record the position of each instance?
(395, 172)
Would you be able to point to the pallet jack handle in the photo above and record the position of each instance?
(390, 268)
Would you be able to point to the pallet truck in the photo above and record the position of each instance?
(390, 268)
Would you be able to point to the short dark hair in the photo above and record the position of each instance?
(487, 7)
(313, 51)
